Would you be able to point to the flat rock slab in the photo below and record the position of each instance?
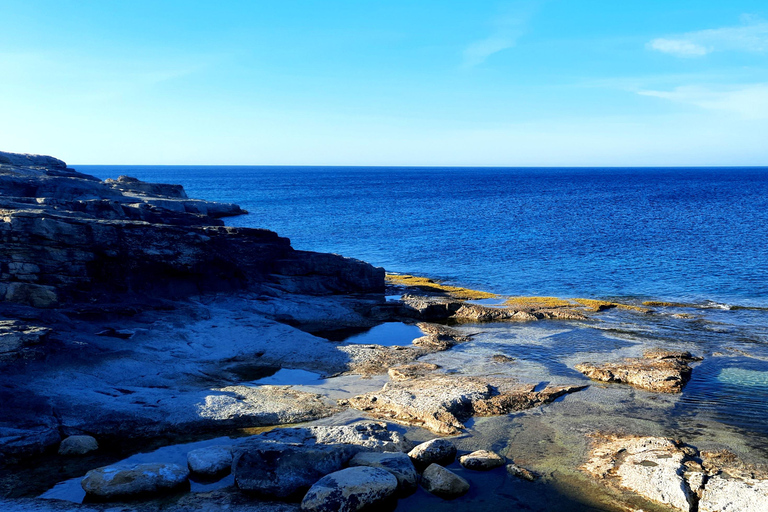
(349, 490)
(264, 405)
(443, 482)
(118, 482)
(441, 403)
(397, 463)
(482, 460)
(659, 370)
(668, 472)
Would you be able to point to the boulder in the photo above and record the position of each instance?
(78, 445)
(443, 482)
(436, 451)
(120, 482)
(659, 370)
(349, 490)
(397, 463)
(283, 471)
(284, 463)
(210, 461)
(482, 460)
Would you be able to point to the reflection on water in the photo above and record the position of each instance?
(288, 377)
(387, 334)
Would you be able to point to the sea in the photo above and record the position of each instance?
(696, 238)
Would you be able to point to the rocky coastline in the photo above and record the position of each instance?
(131, 316)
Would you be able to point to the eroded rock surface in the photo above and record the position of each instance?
(659, 370)
(678, 475)
(441, 403)
(440, 309)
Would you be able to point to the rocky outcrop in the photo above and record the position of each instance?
(441, 402)
(659, 370)
(67, 236)
(678, 475)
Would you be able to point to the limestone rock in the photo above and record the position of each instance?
(482, 460)
(436, 451)
(210, 461)
(662, 371)
(397, 463)
(78, 445)
(411, 371)
(734, 495)
(276, 470)
(116, 482)
(285, 462)
(349, 490)
(441, 402)
(443, 482)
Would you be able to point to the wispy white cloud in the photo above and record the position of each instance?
(506, 30)
(749, 101)
(751, 36)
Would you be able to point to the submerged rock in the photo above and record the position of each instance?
(441, 402)
(78, 445)
(350, 490)
(443, 482)
(117, 482)
(482, 460)
(518, 472)
(662, 371)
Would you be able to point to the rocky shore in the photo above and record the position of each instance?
(131, 317)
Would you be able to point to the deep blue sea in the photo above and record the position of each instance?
(677, 234)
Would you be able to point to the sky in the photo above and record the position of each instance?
(363, 82)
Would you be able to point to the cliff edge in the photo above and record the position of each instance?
(67, 237)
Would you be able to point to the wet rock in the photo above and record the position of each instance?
(78, 445)
(210, 461)
(443, 482)
(519, 472)
(441, 309)
(397, 463)
(482, 460)
(659, 370)
(502, 358)
(436, 451)
(283, 463)
(439, 337)
(411, 371)
(441, 402)
(118, 482)
(349, 490)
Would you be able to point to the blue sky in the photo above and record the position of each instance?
(517, 83)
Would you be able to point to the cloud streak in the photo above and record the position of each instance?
(506, 31)
(748, 101)
(751, 36)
